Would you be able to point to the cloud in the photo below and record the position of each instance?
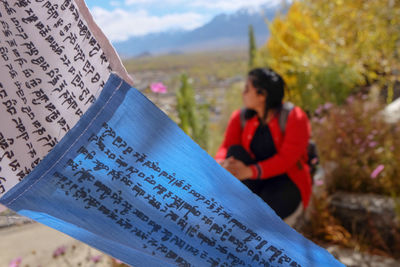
(140, 2)
(115, 3)
(231, 5)
(224, 5)
(120, 24)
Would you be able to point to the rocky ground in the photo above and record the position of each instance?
(353, 258)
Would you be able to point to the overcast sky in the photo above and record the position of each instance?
(121, 19)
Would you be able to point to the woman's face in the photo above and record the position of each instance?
(251, 99)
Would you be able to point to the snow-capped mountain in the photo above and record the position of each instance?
(222, 32)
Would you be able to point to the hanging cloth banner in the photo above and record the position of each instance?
(54, 62)
(128, 181)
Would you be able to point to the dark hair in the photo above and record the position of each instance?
(269, 82)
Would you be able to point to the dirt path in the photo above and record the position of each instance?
(35, 244)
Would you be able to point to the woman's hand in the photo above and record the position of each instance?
(237, 168)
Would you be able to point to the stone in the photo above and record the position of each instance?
(370, 216)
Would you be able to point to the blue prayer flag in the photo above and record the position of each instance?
(128, 181)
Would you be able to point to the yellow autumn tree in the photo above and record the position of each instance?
(326, 48)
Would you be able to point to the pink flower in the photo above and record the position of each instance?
(350, 100)
(2, 208)
(158, 88)
(15, 262)
(373, 144)
(328, 105)
(377, 171)
(59, 251)
(318, 111)
(96, 259)
(319, 182)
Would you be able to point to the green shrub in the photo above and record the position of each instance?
(193, 118)
(252, 47)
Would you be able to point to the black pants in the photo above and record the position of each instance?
(279, 192)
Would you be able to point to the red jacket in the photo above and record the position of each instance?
(291, 156)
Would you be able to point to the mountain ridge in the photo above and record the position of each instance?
(222, 32)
